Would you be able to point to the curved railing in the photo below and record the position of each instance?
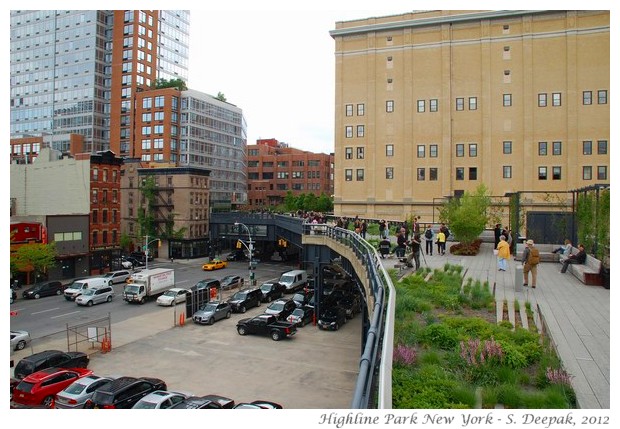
(375, 369)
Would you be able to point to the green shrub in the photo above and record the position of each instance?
(509, 395)
(439, 335)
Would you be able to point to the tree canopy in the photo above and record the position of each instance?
(35, 257)
(468, 215)
(172, 83)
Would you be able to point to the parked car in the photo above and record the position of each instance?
(78, 393)
(19, 340)
(49, 359)
(350, 301)
(272, 290)
(131, 262)
(215, 264)
(76, 288)
(210, 312)
(268, 325)
(40, 388)
(258, 405)
(301, 316)
(281, 308)
(206, 402)
(207, 284)
(332, 318)
(48, 288)
(303, 298)
(173, 296)
(115, 277)
(124, 392)
(231, 281)
(242, 300)
(95, 296)
(294, 280)
(141, 256)
(160, 399)
(236, 255)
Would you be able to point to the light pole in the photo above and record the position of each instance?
(146, 250)
(250, 249)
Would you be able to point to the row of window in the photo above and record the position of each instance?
(556, 173)
(269, 164)
(104, 175)
(433, 104)
(104, 238)
(284, 175)
(104, 196)
(104, 216)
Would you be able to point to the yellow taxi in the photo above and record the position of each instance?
(215, 264)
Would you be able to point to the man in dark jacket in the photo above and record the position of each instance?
(579, 258)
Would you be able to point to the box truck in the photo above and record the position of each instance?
(147, 284)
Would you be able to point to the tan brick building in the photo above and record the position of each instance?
(430, 104)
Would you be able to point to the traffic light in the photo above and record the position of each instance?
(282, 242)
(239, 244)
(158, 243)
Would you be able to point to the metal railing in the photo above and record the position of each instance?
(375, 369)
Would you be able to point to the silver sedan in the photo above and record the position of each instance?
(78, 393)
(19, 340)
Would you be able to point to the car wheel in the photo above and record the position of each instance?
(228, 314)
(89, 304)
(336, 327)
(275, 335)
(37, 296)
(21, 345)
(242, 309)
(109, 299)
(302, 323)
(48, 401)
(58, 292)
(211, 321)
(259, 303)
(110, 283)
(241, 330)
(269, 298)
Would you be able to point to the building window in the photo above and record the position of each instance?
(460, 173)
(348, 131)
(159, 101)
(587, 172)
(421, 106)
(557, 173)
(348, 175)
(360, 110)
(147, 102)
(389, 150)
(542, 148)
(95, 196)
(421, 174)
(460, 104)
(473, 149)
(104, 216)
(389, 106)
(507, 100)
(348, 153)
(360, 131)
(473, 173)
(587, 97)
(542, 100)
(433, 151)
(433, 105)
(473, 103)
(507, 172)
(602, 147)
(432, 174)
(360, 174)
(542, 173)
(95, 238)
(602, 172)
(95, 216)
(421, 151)
(602, 96)
(460, 150)
(587, 147)
(146, 117)
(557, 99)
(360, 153)
(95, 174)
(507, 147)
(557, 148)
(349, 110)
(389, 173)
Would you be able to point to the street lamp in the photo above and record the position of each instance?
(250, 248)
(146, 250)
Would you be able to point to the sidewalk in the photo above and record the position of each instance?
(576, 317)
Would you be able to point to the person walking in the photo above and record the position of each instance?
(415, 245)
(531, 258)
(364, 228)
(579, 258)
(441, 242)
(503, 253)
(429, 237)
(498, 233)
(382, 226)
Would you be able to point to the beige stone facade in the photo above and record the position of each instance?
(434, 103)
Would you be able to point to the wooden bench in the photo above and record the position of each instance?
(588, 273)
(545, 250)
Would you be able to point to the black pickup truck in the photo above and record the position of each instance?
(266, 324)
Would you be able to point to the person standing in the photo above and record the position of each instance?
(503, 253)
(364, 228)
(441, 242)
(415, 251)
(498, 233)
(382, 229)
(579, 258)
(429, 237)
(531, 258)
(401, 244)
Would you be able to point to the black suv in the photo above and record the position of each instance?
(245, 299)
(272, 290)
(124, 392)
(281, 308)
(50, 359)
(332, 318)
(44, 289)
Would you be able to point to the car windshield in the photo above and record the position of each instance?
(266, 287)
(208, 307)
(145, 405)
(227, 279)
(298, 312)
(277, 306)
(287, 279)
(88, 292)
(170, 293)
(75, 388)
(239, 295)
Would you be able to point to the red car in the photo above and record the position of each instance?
(39, 388)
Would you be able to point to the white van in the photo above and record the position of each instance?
(294, 280)
(75, 289)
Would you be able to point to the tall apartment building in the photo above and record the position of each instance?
(431, 104)
(274, 169)
(71, 70)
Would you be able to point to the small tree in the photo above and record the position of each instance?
(35, 258)
(221, 96)
(468, 215)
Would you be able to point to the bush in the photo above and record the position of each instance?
(439, 335)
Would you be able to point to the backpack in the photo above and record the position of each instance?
(534, 257)
(428, 234)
